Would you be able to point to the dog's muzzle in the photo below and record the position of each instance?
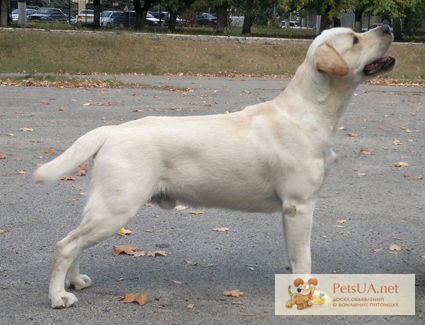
(383, 64)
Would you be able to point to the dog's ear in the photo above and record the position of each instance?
(329, 61)
(313, 281)
(298, 282)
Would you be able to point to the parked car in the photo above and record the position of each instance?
(107, 18)
(151, 20)
(128, 19)
(290, 24)
(206, 19)
(164, 17)
(48, 14)
(28, 12)
(85, 17)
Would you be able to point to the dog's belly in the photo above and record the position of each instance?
(249, 195)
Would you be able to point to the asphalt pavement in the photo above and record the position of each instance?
(369, 219)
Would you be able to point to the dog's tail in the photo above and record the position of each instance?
(289, 291)
(82, 149)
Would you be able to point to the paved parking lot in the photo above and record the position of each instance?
(367, 206)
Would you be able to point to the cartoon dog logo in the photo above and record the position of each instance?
(304, 297)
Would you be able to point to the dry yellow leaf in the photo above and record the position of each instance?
(197, 212)
(353, 134)
(221, 229)
(395, 248)
(233, 293)
(397, 142)
(124, 232)
(140, 298)
(26, 129)
(125, 249)
(400, 164)
(3, 155)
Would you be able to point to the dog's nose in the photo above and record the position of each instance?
(386, 29)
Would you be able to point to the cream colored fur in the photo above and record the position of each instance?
(268, 157)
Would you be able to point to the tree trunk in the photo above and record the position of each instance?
(172, 22)
(247, 24)
(141, 12)
(4, 13)
(96, 18)
(397, 29)
(221, 17)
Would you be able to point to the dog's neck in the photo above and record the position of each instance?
(302, 94)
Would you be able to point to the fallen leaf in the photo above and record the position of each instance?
(353, 134)
(401, 164)
(69, 178)
(124, 232)
(177, 282)
(156, 253)
(395, 248)
(3, 155)
(125, 249)
(180, 207)
(26, 129)
(61, 109)
(140, 298)
(83, 169)
(221, 229)
(365, 151)
(233, 293)
(21, 172)
(135, 251)
(51, 151)
(397, 142)
(413, 177)
(406, 130)
(2, 231)
(190, 306)
(197, 212)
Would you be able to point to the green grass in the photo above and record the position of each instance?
(123, 52)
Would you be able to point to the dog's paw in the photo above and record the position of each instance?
(80, 282)
(64, 300)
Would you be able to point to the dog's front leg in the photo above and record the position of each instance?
(297, 225)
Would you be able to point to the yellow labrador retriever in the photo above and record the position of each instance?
(268, 157)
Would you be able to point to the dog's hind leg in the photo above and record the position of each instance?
(104, 215)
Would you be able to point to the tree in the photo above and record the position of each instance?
(96, 18)
(4, 13)
(251, 9)
(175, 7)
(328, 10)
(221, 7)
(141, 12)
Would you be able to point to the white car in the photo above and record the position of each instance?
(28, 12)
(107, 18)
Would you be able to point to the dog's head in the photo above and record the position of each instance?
(342, 53)
(305, 288)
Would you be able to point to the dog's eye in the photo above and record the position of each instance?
(355, 40)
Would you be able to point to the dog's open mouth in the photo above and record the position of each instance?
(383, 64)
